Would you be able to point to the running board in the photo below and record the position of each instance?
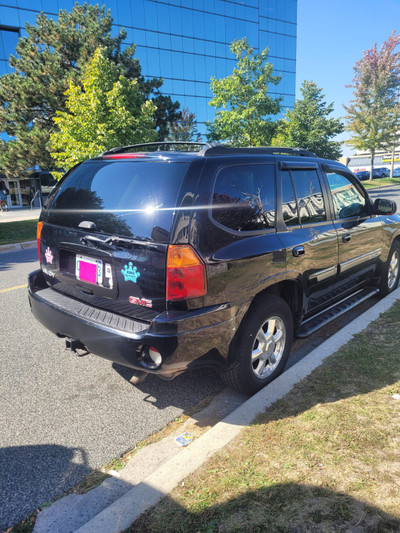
(324, 317)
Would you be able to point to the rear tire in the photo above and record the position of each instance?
(261, 347)
(390, 271)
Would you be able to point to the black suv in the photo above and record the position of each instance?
(163, 259)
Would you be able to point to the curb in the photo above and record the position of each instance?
(17, 246)
(124, 511)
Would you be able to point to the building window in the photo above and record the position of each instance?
(8, 42)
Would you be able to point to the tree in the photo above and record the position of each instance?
(374, 113)
(309, 126)
(185, 128)
(107, 110)
(244, 108)
(54, 53)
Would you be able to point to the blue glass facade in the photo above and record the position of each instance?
(186, 42)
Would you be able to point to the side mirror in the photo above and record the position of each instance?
(382, 206)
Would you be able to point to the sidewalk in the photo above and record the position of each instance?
(265, 478)
(24, 213)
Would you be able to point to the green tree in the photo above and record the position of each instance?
(185, 128)
(374, 113)
(53, 53)
(107, 110)
(244, 108)
(309, 126)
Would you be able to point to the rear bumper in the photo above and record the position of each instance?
(184, 339)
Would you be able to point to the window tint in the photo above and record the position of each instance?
(289, 204)
(309, 196)
(132, 199)
(348, 201)
(244, 197)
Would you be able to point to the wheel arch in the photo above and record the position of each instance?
(289, 290)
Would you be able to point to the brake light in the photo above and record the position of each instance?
(124, 156)
(38, 234)
(186, 273)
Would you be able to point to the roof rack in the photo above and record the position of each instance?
(208, 148)
(161, 146)
(221, 149)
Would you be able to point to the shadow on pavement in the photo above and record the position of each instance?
(179, 391)
(32, 475)
(9, 259)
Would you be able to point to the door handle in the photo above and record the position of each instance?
(298, 250)
(346, 238)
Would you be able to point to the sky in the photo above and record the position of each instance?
(331, 37)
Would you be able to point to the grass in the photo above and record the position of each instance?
(19, 231)
(381, 182)
(323, 459)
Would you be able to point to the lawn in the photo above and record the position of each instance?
(382, 182)
(20, 231)
(325, 458)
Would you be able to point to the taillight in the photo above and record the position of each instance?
(38, 234)
(186, 273)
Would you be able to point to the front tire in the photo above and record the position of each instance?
(262, 345)
(390, 271)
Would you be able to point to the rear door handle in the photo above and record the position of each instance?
(298, 250)
(346, 238)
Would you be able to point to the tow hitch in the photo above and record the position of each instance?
(76, 346)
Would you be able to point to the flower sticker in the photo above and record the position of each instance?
(49, 255)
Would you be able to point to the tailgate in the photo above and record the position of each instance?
(129, 280)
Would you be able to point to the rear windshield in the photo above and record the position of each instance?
(125, 198)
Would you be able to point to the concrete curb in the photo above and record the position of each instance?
(124, 511)
(17, 246)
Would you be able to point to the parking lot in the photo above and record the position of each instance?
(61, 416)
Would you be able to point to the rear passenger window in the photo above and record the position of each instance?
(289, 203)
(302, 200)
(244, 197)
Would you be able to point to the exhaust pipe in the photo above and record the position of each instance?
(76, 346)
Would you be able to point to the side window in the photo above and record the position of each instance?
(244, 197)
(304, 205)
(290, 211)
(348, 200)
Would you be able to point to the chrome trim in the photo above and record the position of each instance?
(324, 274)
(355, 261)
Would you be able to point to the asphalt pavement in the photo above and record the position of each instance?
(61, 417)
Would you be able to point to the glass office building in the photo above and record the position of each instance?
(186, 42)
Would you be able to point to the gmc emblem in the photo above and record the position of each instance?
(140, 301)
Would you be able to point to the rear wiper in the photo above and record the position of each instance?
(95, 241)
(111, 242)
(127, 243)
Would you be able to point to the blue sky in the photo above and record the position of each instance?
(331, 37)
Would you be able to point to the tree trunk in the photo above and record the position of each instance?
(372, 165)
(392, 164)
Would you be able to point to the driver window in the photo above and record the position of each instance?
(348, 201)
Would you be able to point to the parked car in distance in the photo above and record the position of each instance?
(396, 172)
(164, 260)
(377, 173)
(363, 175)
(384, 171)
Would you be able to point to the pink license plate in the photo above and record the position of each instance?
(89, 270)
